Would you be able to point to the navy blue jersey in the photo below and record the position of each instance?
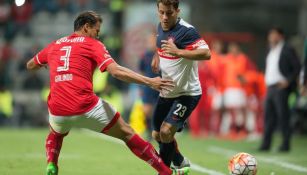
(182, 71)
(183, 34)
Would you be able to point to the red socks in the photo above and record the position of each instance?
(145, 151)
(53, 146)
(142, 149)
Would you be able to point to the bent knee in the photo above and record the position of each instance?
(156, 135)
(166, 135)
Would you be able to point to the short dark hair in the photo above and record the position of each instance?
(89, 17)
(174, 3)
(279, 30)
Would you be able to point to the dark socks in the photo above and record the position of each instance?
(178, 157)
(167, 151)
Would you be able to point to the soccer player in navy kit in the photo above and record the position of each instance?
(179, 46)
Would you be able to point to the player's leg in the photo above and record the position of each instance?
(104, 119)
(141, 148)
(59, 128)
(162, 109)
(175, 120)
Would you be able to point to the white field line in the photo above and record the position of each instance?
(194, 166)
(276, 161)
(204, 170)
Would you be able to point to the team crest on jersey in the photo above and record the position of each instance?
(171, 38)
(165, 55)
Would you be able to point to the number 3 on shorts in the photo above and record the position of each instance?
(180, 110)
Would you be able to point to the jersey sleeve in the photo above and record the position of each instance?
(192, 40)
(41, 58)
(102, 56)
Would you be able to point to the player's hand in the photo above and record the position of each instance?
(161, 84)
(155, 64)
(169, 47)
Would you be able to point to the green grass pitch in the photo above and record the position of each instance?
(22, 151)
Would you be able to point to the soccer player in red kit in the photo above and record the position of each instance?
(72, 102)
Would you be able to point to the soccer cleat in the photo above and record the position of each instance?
(52, 169)
(184, 163)
(181, 171)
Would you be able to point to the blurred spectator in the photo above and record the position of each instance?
(206, 116)
(149, 96)
(28, 54)
(217, 68)
(114, 43)
(236, 66)
(255, 91)
(21, 16)
(199, 120)
(39, 5)
(5, 12)
(7, 53)
(281, 73)
(117, 8)
(101, 5)
(65, 5)
(6, 105)
(33, 82)
(304, 82)
(83, 5)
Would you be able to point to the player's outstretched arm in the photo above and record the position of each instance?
(32, 66)
(130, 76)
(169, 47)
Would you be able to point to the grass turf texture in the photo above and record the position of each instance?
(22, 151)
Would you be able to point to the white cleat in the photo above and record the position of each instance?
(184, 163)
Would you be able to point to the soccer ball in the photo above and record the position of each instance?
(242, 164)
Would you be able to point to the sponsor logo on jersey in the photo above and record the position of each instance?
(171, 38)
(73, 40)
(197, 44)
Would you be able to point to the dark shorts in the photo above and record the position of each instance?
(149, 96)
(174, 111)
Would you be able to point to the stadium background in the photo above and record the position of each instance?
(26, 27)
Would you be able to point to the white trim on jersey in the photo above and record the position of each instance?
(36, 56)
(104, 62)
(203, 47)
(184, 23)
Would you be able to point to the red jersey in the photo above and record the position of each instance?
(72, 61)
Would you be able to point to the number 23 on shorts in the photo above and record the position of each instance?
(180, 110)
